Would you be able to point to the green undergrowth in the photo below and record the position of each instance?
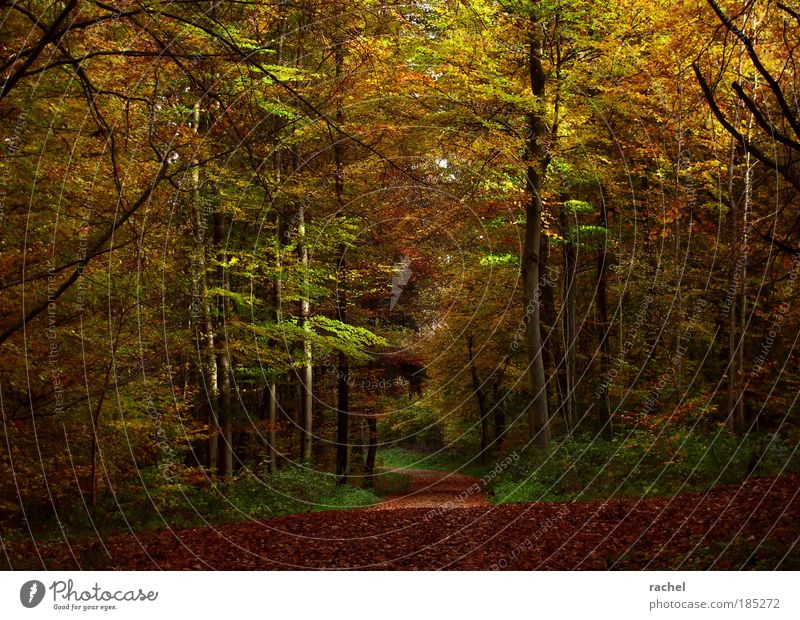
(634, 464)
(287, 491)
(191, 500)
(399, 457)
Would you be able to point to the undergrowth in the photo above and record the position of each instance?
(635, 464)
(189, 498)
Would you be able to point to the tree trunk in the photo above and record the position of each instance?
(480, 396)
(96, 444)
(537, 152)
(95, 419)
(342, 419)
(307, 374)
(568, 313)
(372, 450)
(737, 234)
(733, 285)
(357, 448)
(741, 420)
(224, 362)
(499, 423)
(552, 354)
(204, 330)
(343, 370)
(272, 418)
(740, 424)
(277, 298)
(223, 354)
(604, 408)
(272, 387)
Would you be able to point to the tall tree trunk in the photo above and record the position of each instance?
(272, 420)
(272, 388)
(224, 362)
(552, 354)
(737, 231)
(537, 152)
(96, 441)
(499, 423)
(741, 420)
(372, 451)
(343, 380)
(223, 352)
(553, 345)
(480, 396)
(568, 313)
(733, 285)
(604, 406)
(204, 330)
(307, 373)
(277, 297)
(682, 158)
(343, 371)
(95, 419)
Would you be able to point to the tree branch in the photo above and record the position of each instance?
(786, 172)
(91, 253)
(762, 122)
(50, 35)
(771, 81)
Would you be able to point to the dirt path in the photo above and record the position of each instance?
(429, 488)
(748, 525)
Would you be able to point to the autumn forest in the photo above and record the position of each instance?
(370, 284)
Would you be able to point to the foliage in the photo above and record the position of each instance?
(224, 222)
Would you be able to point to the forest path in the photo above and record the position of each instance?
(430, 488)
(746, 525)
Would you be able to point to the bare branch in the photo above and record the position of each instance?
(93, 251)
(768, 127)
(786, 172)
(776, 89)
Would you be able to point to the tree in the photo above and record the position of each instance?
(538, 156)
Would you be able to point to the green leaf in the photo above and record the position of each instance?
(499, 259)
(578, 206)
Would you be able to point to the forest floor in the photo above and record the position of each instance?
(431, 488)
(443, 521)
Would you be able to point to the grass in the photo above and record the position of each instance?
(635, 464)
(640, 464)
(287, 491)
(184, 503)
(399, 457)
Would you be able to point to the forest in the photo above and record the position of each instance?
(475, 284)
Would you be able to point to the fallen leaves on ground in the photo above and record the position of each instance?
(749, 525)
